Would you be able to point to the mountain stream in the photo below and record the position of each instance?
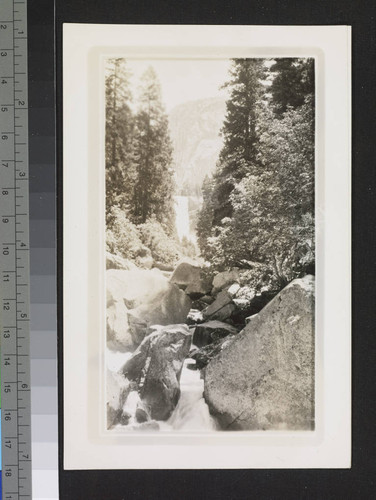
(191, 412)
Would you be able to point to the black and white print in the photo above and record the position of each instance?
(210, 244)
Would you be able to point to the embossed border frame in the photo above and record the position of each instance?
(329, 445)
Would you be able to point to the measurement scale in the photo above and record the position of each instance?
(14, 253)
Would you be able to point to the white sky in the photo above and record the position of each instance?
(183, 80)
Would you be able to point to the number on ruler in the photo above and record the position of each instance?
(14, 148)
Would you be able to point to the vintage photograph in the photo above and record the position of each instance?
(206, 247)
(210, 244)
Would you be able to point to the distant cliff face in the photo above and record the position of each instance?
(195, 128)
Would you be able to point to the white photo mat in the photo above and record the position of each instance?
(86, 443)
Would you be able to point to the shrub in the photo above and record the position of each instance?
(163, 248)
(123, 238)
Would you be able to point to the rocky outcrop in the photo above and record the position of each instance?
(117, 327)
(195, 317)
(249, 302)
(221, 309)
(163, 267)
(116, 262)
(197, 289)
(210, 331)
(145, 262)
(170, 307)
(207, 300)
(264, 377)
(156, 368)
(141, 413)
(233, 290)
(138, 299)
(205, 354)
(188, 277)
(224, 279)
(185, 274)
(118, 388)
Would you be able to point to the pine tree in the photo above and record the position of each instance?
(238, 155)
(293, 81)
(119, 137)
(154, 186)
(205, 216)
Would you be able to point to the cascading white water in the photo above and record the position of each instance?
(191, 412)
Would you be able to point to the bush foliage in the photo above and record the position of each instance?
(143, 243)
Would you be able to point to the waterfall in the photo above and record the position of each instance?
(191, 412)
(182, 216)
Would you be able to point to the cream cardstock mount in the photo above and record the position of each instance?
(87, 445)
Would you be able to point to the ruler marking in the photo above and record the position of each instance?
(18, 483)
(15, 211)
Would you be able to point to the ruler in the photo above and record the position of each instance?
(14, 253)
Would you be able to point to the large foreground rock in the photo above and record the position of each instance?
(156, 367)
(264, 378)
(138, 299)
